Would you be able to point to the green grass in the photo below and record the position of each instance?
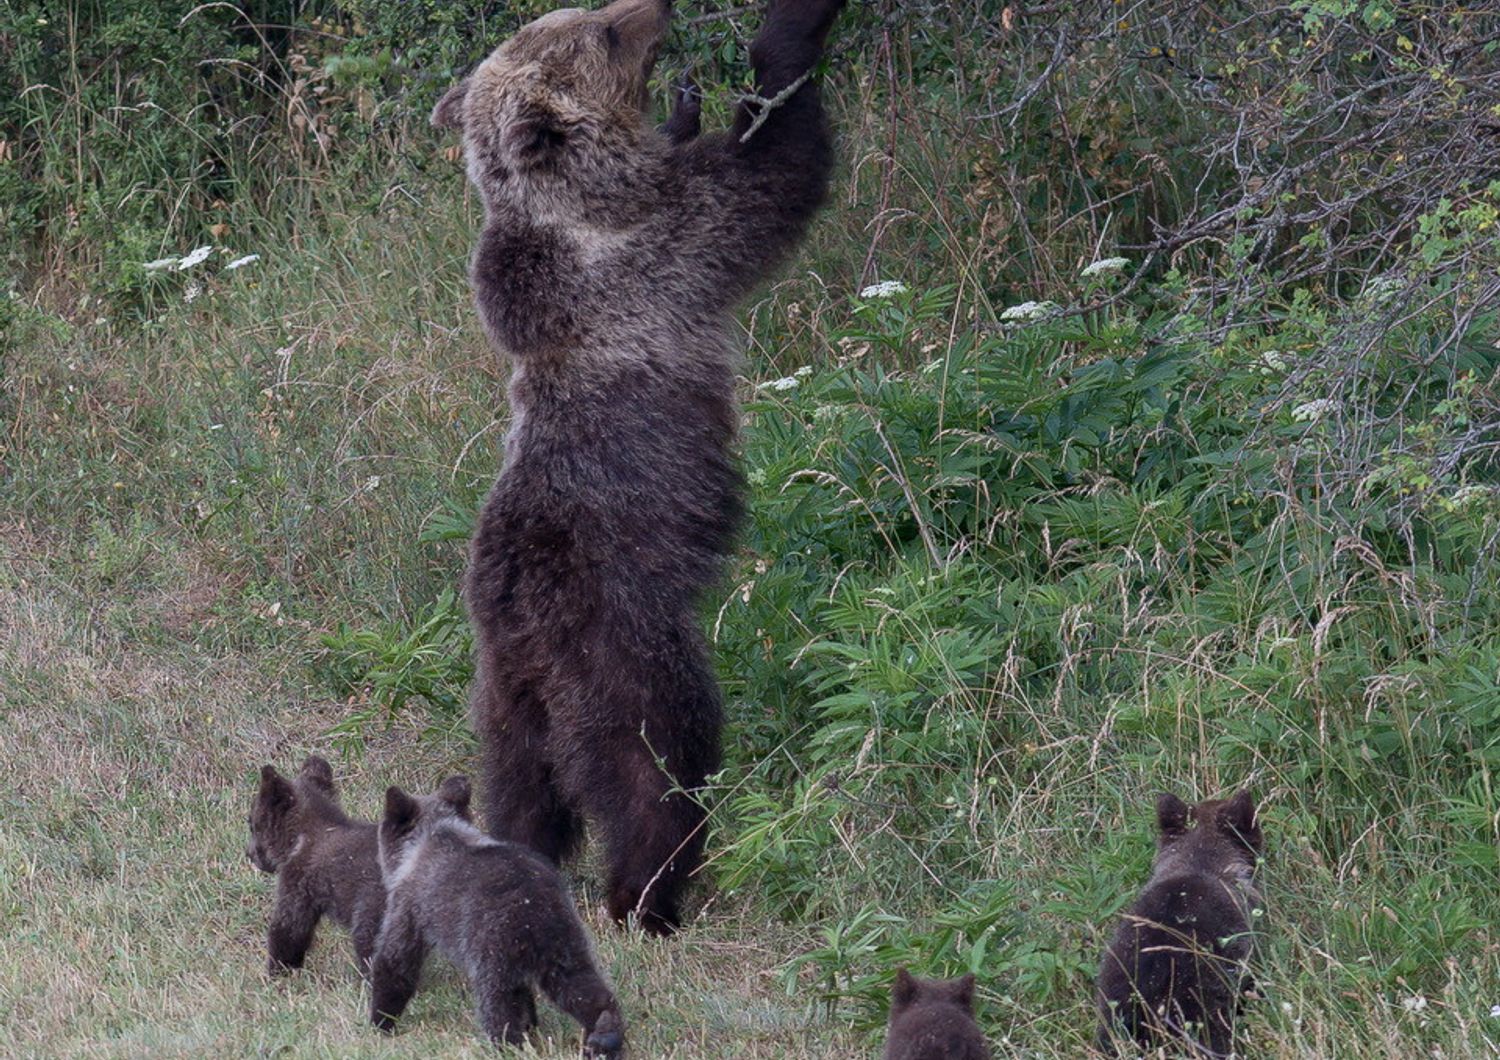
(998, 586)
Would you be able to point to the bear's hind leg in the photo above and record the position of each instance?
(521, 800)
(507, 1011)
(655, 844)
(576, 987)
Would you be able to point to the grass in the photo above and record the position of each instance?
(998, 586)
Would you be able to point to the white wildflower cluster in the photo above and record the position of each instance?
(1103, 267)
(1312, 411)
(884, 289)
(1495, 1012)
(803, 372)
(1272, 363)
(1415, 1003)
(1468, 495)
(787, 382)
(195, 257)
(1029, 311)
(1383, 288)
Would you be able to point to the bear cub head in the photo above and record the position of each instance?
(411, 818)
(933, 1019)
(285, 809)
(568, 92)
(1217, 838)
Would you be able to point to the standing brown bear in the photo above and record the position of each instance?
(611, 257)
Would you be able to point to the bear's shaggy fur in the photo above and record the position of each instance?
(610, 260)
(933, 1019)
(1175, 969)
(496, 910)
(324, 862)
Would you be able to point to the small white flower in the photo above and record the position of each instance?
(884, 289)
(1495, 1012)
(827, 412)
(789, 382)
(1314, 410)
(1415, 1003)
(1028, 311)
(1104, 265)
(372, 483)
(240, 263)
(197, 257)
(193, 291)
(160, 263)
(1467, 495)
(1382, 288)
(1271, 362)
(803, 372)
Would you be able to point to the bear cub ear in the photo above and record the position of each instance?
(1171, 815)
(449, 112)
(1237, 820)
(963, 992)
(401, 810)
(276, 791)
(317, 772)
(455, 791)
(903, 991)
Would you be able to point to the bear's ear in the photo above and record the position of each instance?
(455, 791)
(1237, 820)
(401, 810)
(1171, 815)
(317, 772)
(537, 134)
(903, 991)
(449, 112)
(276, 791)
(963, 992)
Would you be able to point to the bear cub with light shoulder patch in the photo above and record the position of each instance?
(1175, 969)
(323, 859)
(933, 1019)
(498, 911)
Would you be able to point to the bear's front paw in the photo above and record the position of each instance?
(687, 112)
(812, 17)
(607, 1039)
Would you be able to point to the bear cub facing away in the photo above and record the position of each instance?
(611, 258)
(1175, 968)
(933, 1019)
(324, 861)
(498, 911)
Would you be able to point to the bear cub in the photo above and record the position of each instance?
(1175, 968)
(933, 1019)
(324, 861)
(499, 912)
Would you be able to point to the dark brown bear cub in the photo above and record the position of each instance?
(324, 862)
(1176, 966)
(499, 912)
(611, 258)
(933, 1019)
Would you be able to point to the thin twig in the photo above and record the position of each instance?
(768, 105)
